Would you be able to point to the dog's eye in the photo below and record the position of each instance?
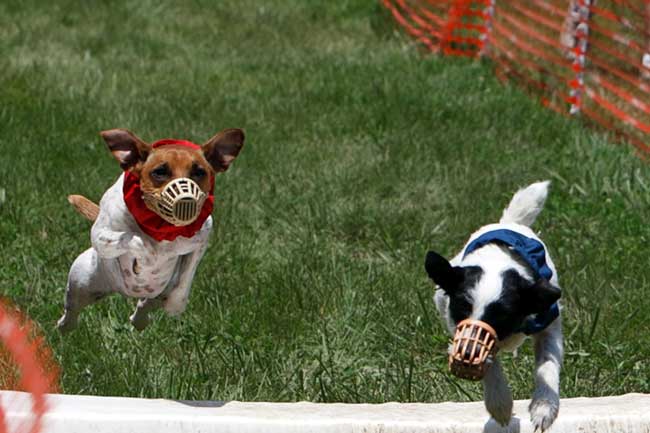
(160, 173)
(197, 172)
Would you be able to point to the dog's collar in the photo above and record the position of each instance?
(533, 253)
(150, 222)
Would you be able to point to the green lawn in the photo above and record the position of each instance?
(361, 155)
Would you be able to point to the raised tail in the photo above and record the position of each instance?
(526, 204)
(84, 206)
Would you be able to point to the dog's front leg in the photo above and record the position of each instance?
(175, 300)
(111, 244)
(545, 404)
(497, 395)
(178, 296)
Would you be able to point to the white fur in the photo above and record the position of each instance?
(526, 204)
(494, 261)
(520, 214)
(163, 270)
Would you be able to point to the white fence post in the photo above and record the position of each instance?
(581, 12)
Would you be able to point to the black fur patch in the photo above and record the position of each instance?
(507, 313)
(460, 302)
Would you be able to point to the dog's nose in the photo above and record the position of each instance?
(471, 351)
(470, 343)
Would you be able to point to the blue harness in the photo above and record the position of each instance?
(532, 251)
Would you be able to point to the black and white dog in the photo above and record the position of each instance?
(505, 277)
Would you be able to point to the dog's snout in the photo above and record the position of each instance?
(469, 353)
(473, 346)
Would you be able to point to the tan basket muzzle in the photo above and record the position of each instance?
(179, 203)
(473, 349)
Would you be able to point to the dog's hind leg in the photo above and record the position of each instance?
(545, 404)
(84, 288)
(497, 395)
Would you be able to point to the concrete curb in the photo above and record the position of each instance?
(87, 414)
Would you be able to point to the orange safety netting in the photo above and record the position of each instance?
(26, 364)
(580, 57)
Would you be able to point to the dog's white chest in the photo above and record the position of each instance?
(146, 279)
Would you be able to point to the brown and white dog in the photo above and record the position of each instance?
(152, 225)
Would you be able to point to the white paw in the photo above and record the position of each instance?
(175, 305)
(543, 413)
(141, 250)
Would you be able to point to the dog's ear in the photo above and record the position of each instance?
(539, 296)
(126, 147)
(442, 273)
(223, 148)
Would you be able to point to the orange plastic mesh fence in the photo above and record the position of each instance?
(26, 364)
(579, 57)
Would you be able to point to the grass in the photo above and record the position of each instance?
(361, 155)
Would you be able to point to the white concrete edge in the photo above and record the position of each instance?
(88, 414)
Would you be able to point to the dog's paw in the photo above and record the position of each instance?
(139, 321)
(137, 247)
(501, 415)
(543, 413)
(497, 395)
(66, 323)
(175, 308)
(141, 250)
(500, 409)
(175, 305)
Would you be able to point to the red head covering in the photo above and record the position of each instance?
(149, 221)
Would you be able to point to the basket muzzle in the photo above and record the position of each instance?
(179, 203)
(473, 349)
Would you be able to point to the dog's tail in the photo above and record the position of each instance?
(84, 206)
(526, 204)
